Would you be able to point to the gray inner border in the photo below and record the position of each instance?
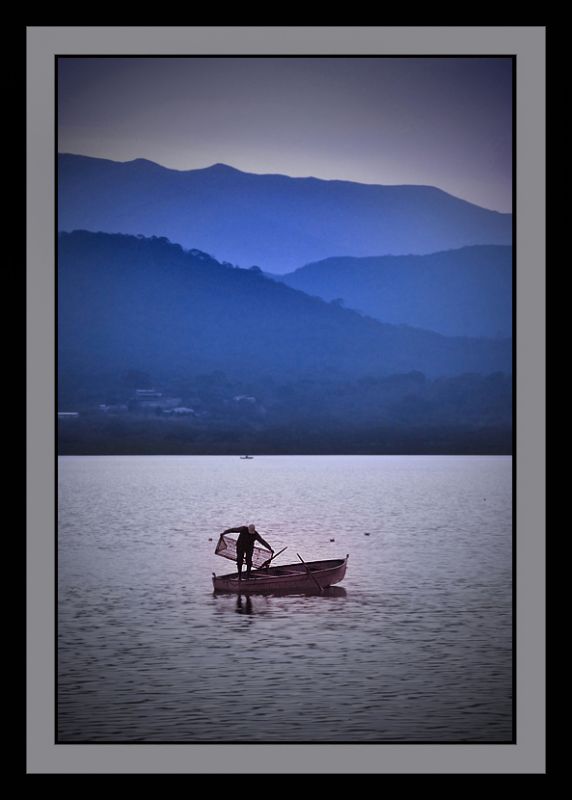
(528, 755)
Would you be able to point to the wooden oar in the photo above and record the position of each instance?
(268, 560)
(308, 570)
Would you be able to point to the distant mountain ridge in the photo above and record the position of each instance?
(273, 221)
(464, 292)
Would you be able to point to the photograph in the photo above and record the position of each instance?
(285, 363)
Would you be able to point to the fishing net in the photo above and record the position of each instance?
(226, 548)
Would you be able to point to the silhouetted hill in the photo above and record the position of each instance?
(145, 304)
(274, 221)
(235, 362)
(465, 292)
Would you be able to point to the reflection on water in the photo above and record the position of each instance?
(244, 606)
(414, 646)
(328, 591)
(249, 603)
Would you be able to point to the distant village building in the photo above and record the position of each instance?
(151, 400)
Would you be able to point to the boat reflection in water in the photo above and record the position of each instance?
(244, 605)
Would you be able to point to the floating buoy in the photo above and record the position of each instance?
(366, 534)
(210, 538)
(332, 540)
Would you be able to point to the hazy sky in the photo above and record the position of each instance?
(445, 122)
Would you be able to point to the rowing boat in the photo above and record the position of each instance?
(310, 576)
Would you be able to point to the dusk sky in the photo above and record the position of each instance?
(443, 122)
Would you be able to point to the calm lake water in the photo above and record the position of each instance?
(414, 644)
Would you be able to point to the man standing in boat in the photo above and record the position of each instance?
(247, 535)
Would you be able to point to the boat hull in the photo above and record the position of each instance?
(286, 578)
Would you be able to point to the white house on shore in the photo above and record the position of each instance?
(151, 399)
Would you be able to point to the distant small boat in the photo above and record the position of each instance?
(247, 457)
(311, 576)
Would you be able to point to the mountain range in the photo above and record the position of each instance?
(275, 222)
(134, 303)
(464, 292)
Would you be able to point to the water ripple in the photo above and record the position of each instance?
(414, 646)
